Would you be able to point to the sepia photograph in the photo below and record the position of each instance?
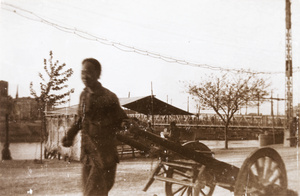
(150, 98)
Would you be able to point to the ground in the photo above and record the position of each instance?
(55, 177)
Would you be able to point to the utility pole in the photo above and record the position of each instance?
(288, 132)
(277, 105)
(258, 114)
(188, 104)
(5, 109)
(273, 119)
(152, 104)
(6, 152)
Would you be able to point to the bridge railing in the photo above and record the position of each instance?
(212, 119)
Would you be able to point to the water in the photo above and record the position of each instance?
(24, 151)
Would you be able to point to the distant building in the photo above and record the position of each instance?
(26, 108)
(23, 136)
(3, 88)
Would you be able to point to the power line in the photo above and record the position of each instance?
(121, 46)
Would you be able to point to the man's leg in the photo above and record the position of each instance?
(85, 174)
(109, 176)
(95, 183)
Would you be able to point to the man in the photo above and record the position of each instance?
(174, 132)
(99, 117)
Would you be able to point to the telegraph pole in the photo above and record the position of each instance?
(273, 119)
(152, 104)
(188, 104)
(288, 76)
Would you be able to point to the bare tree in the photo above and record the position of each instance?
(51, 87)
(227, 94)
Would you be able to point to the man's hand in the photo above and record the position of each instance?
(66, 142)
(125, 124)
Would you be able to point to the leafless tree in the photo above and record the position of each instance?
(228, 93)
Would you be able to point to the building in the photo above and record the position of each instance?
(23, 137)
(26, 108)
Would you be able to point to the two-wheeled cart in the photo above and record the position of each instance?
(191, 169)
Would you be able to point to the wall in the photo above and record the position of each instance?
(57, 127)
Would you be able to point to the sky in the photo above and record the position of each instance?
(231, 34)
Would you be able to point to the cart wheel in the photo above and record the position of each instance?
(205, 187)
(262, 173)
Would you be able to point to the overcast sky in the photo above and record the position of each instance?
(235, 34)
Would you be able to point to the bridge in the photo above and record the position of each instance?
(264, 122)
(210, 126)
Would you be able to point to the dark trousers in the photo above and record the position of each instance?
(97, 181)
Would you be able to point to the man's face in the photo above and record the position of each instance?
(89, 75)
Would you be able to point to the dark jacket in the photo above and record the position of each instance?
(174, 134)
(99, 117)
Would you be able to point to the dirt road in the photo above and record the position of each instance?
(55, 177)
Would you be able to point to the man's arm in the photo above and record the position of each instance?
(67, 140)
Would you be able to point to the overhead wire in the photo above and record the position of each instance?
(124, 47)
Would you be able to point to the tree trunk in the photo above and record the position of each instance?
(226, 136)
(43, 131)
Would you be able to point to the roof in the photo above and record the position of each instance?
(151, 105)
(139, 104)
